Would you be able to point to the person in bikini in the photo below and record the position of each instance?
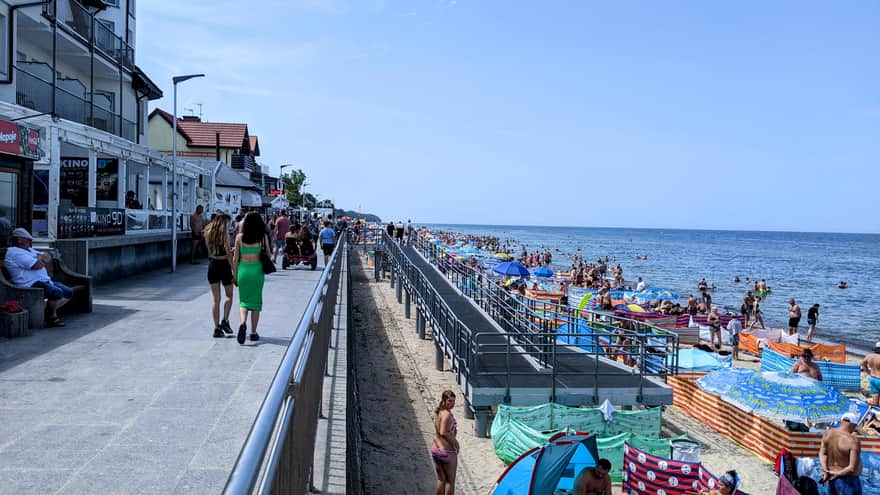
(444, 450)
(871, 366)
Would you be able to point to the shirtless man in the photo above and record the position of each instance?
(871, 366)
(794, 317)
(594, 481)
(196, 226)
(840, 456)
(806, 367)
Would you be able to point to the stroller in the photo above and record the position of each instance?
(299, 252)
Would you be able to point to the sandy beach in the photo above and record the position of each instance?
(399, 389)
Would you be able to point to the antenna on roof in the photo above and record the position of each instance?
(191, 111)
(200, 111)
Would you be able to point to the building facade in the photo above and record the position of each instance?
(68, 69)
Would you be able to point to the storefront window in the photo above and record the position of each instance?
(8, 203)
(107, 180)
(135, 183)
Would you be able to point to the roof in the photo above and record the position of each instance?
(226, 177)
(204, 134)
(255, 145)
(143, 84)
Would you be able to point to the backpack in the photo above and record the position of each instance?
(806, 486)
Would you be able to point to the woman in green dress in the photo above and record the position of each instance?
(248, 272)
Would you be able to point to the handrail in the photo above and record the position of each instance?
(271, 430)
(531, 326)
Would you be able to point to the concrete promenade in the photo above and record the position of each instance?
(138, 397)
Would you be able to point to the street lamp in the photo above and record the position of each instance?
(175, 80)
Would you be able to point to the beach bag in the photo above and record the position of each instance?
(268, 266)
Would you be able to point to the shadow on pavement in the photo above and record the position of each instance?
(16, 351)
(187, 284)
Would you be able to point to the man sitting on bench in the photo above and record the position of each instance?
(27, 267)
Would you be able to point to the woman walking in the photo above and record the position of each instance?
(248, 272)
(445, 448)
(219, 271)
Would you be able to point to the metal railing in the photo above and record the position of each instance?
(34, 92)
(532, 329)
(278, 454)
(77, 20)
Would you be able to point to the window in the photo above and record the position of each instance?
(131, 7)
(8, 202)
(3, 47)
(112, 3)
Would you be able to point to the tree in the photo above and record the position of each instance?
(293, 182)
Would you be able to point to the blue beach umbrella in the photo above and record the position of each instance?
(788, 397)
(544, 272)
(719, 382)
(512, 269)
(693, 360)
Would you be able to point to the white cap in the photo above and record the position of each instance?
(851, 417)
(23, 233)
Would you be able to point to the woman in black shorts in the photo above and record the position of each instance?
(219, 271)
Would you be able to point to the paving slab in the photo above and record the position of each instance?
(138, 397)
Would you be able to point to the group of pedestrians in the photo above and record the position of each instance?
(239, 259)
(237, 265)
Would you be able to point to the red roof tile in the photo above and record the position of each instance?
(204, 134)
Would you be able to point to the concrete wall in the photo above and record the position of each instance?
(110, 259)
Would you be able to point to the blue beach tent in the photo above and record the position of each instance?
(544, 272)
(542, 470)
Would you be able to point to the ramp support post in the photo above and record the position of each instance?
(420, 324)
(399, 289)
(468, 409)
(481, 422)
(391, 276)
(438, 356)
(407, 299)
(377, 265)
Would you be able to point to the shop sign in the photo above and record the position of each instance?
(20, 140)
(75, 180)
(75, 221)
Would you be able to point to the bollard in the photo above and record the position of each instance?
(438, 357)
(407, 313)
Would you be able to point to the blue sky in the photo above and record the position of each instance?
(729, 115)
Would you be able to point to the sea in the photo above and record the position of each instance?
(803, 265)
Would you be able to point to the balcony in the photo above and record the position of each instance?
(33, 89)
(72, 17)
(244, 162)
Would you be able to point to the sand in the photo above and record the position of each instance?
(399, 389)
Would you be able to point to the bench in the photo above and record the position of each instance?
(32, 299)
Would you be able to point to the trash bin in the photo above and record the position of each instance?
(684, 450)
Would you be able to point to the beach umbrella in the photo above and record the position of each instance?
(543, 272)
(788, 397)
(512, 269)
(693, 360)
(720, 381)
(503, 256)
(635, 308)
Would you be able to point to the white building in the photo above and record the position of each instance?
(68, 67)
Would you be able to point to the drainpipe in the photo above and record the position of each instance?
(10, 55)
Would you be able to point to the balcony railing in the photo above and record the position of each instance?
(244, 162)
(79, 21)
(34, 92)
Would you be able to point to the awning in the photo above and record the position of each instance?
(251, 198)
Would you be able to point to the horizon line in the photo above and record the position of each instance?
(650, 228)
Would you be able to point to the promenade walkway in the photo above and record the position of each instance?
(138, 397)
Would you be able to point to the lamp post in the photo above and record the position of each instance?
(175, 80)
